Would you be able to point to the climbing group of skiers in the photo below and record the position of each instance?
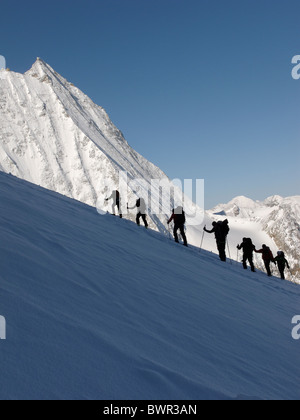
(178, 215)
(221, 231)
(140, 205)
(267, 255)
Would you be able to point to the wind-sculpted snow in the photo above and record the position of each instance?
(98, 308)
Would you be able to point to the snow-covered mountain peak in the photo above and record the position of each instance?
(240, 206)
(40, 69)
(39, 64)
(241, 200)
(274, 200)
(55, 136)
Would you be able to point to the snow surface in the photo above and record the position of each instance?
(97, 308)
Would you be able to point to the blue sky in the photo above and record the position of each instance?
(202, 88)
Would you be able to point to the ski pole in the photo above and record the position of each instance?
(170, 237)
(202, 240)
(229, 251)
(292, 279)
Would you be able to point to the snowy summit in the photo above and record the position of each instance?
(53, 135)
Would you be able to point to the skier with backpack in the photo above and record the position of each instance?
(221, 230)
(268, 257)
(178, 215)
(281, 263)
(115, 196)
(248, 249)
(141, 208)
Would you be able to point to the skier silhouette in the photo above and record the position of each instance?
(268, 257)
(248, 249)
(282, 263)
(141, 207)
(178, 215)
(221, 230)
(115, 196)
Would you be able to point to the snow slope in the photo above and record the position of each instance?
(97, 308)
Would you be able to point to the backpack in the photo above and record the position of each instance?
(223, 227)
(141, 205)
(179, 216)
(248, 245)
(268, 254)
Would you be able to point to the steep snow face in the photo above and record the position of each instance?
(53, 135)
(97, 308)
(278, 217)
